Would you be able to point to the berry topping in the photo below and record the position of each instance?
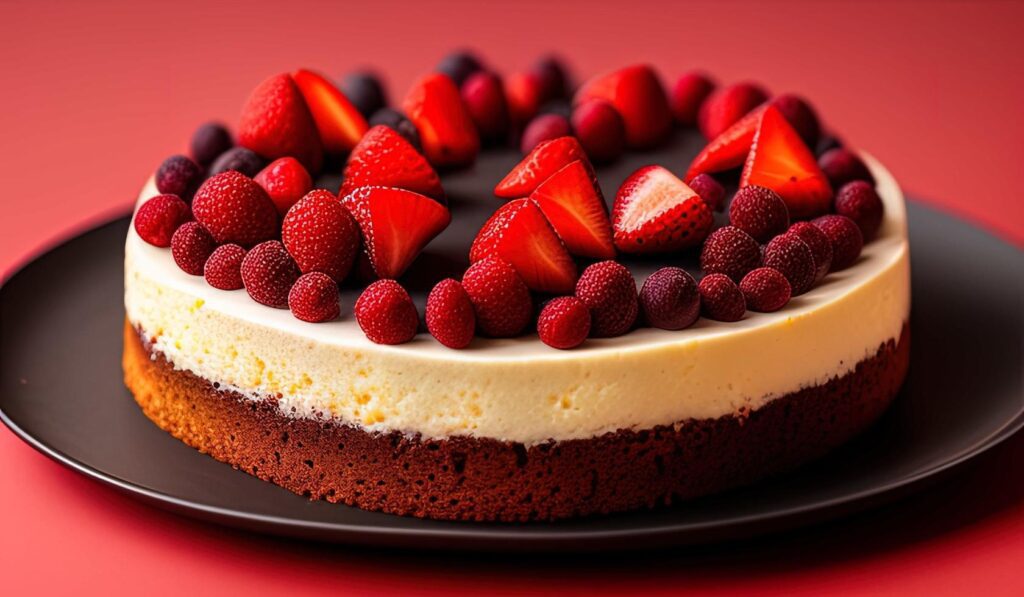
(637, 94)
(765, 290)
(178, 175)
(730, 251)
(396, 225)
(573, 204)
(544, 127)
(500, 298)
(727, 105)
(385, 158)
(710, 190)
(209, 141)
(600, 130)
(545, 159)
(158, 218)
(609, 291)
(801, 115)
(826, 142)
(485, 101)
(524, 94)
(520, 234)
(268, 272)
(554, 77)
(339, 123)
(321, 235)
(729, 149)
(859, 201)
(398, 123)
(223, 269)
(276, 122)
(450, 315)
(655, 212)
(446, 130)
(687, 96)
(191, 245)
(759, 212)
(721, 299)
(386, 313)
(791, 256)
(845, 237)
(564, 323)
(285, 181)
(842, 166)
(314, 298)
(365, 91)
(780, 161)
(669, 299)
(235, 209)
(458, 66)
(819, 244)
(239, 159)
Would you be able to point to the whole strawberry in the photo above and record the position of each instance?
(276, 122)
(859, 201)
(600, 130)
(720, 298)
(607, 288)
(544, 127)
(765, 289)
(791, 256)
(564, 323)
(759, 212)
(321, 235)
(223, 269)
(314, 298)
(234, 209)
(191, 245)
(730, 251)
(285, 181)
(268, 273)
(669, 299)
(688, 95)
(484, 96)
(386, 313)
(450, 316)
(500, 297)
(158, 218)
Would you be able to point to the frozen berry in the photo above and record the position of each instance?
(687, 96)
(268, 272)
(158, 218)
(845, 237)
(234, 209)
(459, 65)
(801, 115)
(450, 316)
(210, 141)
(386, 313)
(554, 77)
(842, 166)
(859, 201)
(710, 190)
(730, 251)
(759, 212)
(564, 323)
(819, 244)
(240, 159)
(191, 245)
(543, 128)
(365, 91)
(285, 180)
(765, 289)
(791, 256)
(727, 105)
(223, 269)
(397, 122)
(484, 97)
(321, 235)
(609, 291)
(721, 299)
(669, 299)
(314, 298)
(500, 297)
(178, 175)
(600, 130)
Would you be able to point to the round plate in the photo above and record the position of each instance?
(61, 391)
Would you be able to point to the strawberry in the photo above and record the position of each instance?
(321, 235)
(340, 123)
(485, 100)
(600, 130)
(386, 313)
(234, 209)
(545, 159)
(285, 181)
(385, 158)
(450, 316)
(544, 127)
(655, 212)
(276, 122)
(780, 161)
(396, 225)
(576, 210)
(729, 149)
(446, 129)
(637, 93)
(520, 234)
(314, 298)
(223, 268)
(726, 106)
(500, 298)
(688, 95)
(564, 323)
(524, 94)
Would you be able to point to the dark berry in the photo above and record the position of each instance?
(765, 289)
(544, 127)
(826, 142)
(178, 175)
(191, 245)
(600, 130)
(791, 256)
(669, 299)
(710, 190)
(859, 201)
(730, 251)
(314, 298)
(721, 299)
(845, 237)
(819, 244)
(759, 212)
(564, 323)
(842, 166)
(609, 291)
(223, 269)
(240, 159)
(365, 92)
(459, 65)
(209, 141)
(801, 115)
(554, 77)
(397, 122)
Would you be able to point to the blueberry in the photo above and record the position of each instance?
(399, 123)
(243, 160)
(459, 65)
(365, 92)
(180, 176)
(209, 141)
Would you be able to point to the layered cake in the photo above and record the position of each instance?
(502, 299)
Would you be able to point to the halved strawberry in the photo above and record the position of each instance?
(449, 136)
(396, 224)
(780, 161)
(545, 159)
(655, 212)
(728, 150)
(276, 123)
(385, 158)
(520, 234)
(637, 93)
(340, 124)
(575, 207)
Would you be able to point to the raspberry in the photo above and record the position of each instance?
(450, 316)
(223, 269)
(607, 288)
(314, 298)
(234, 209)
(820, 246)
(178, 175)
(158, 218)
(500, 297)
(759, 212)
(268, 273)
(564, 323)
(600, 130)
(386, 313)
(710, 190)
(365, 92)
(859, 201)
(721, 299)
(801, 115)
(285, 180)
(321, 235)
(791, 256)
(209, 141)
(687, 96)
(397, 122)
(484, 97)
(543, 128)
(239, 159)
(191, 246)
(670, 299)
(842, 166)
(459, 65)
(730, 251)
(765, 289)
(845, 237)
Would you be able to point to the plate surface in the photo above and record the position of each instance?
(61, 391)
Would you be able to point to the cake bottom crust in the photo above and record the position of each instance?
(468, 478)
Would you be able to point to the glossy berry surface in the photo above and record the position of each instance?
(765, 290)
(386, 313)
(759, 212)
(669, 299)
(720, 298)
(450, 315)
(208, 142)
(607, 288)
(314, 298)
(223, 269)
(730, 251)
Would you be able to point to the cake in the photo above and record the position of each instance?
(478, 308)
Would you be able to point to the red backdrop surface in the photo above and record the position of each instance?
(96, 94)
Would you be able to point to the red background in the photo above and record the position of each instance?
(96, 95)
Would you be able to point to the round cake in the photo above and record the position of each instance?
(443, 353)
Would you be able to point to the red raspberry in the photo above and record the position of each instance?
(859, 201)
(178, 175)
(500, 297)
(801, 115)
(285, 180)
(314, 298)
(841, 166)
(564, 323)
(607, 288)
(268, 272)
(765, 289)
(158, 218)
(543, 128)
(223, 269)
(791, 256)
(845, 237)
(600, 130)
(191, 246)
(321, 235)
(235, 209)
(727, 105)
(721, 299)
(386, 313)
(450, 316)
(687, 96)
(710, 190)
(484, 96)
(820, 246)
(670, 299)
(759, 212)
(730, 251)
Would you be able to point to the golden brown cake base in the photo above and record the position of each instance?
(464, 478)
